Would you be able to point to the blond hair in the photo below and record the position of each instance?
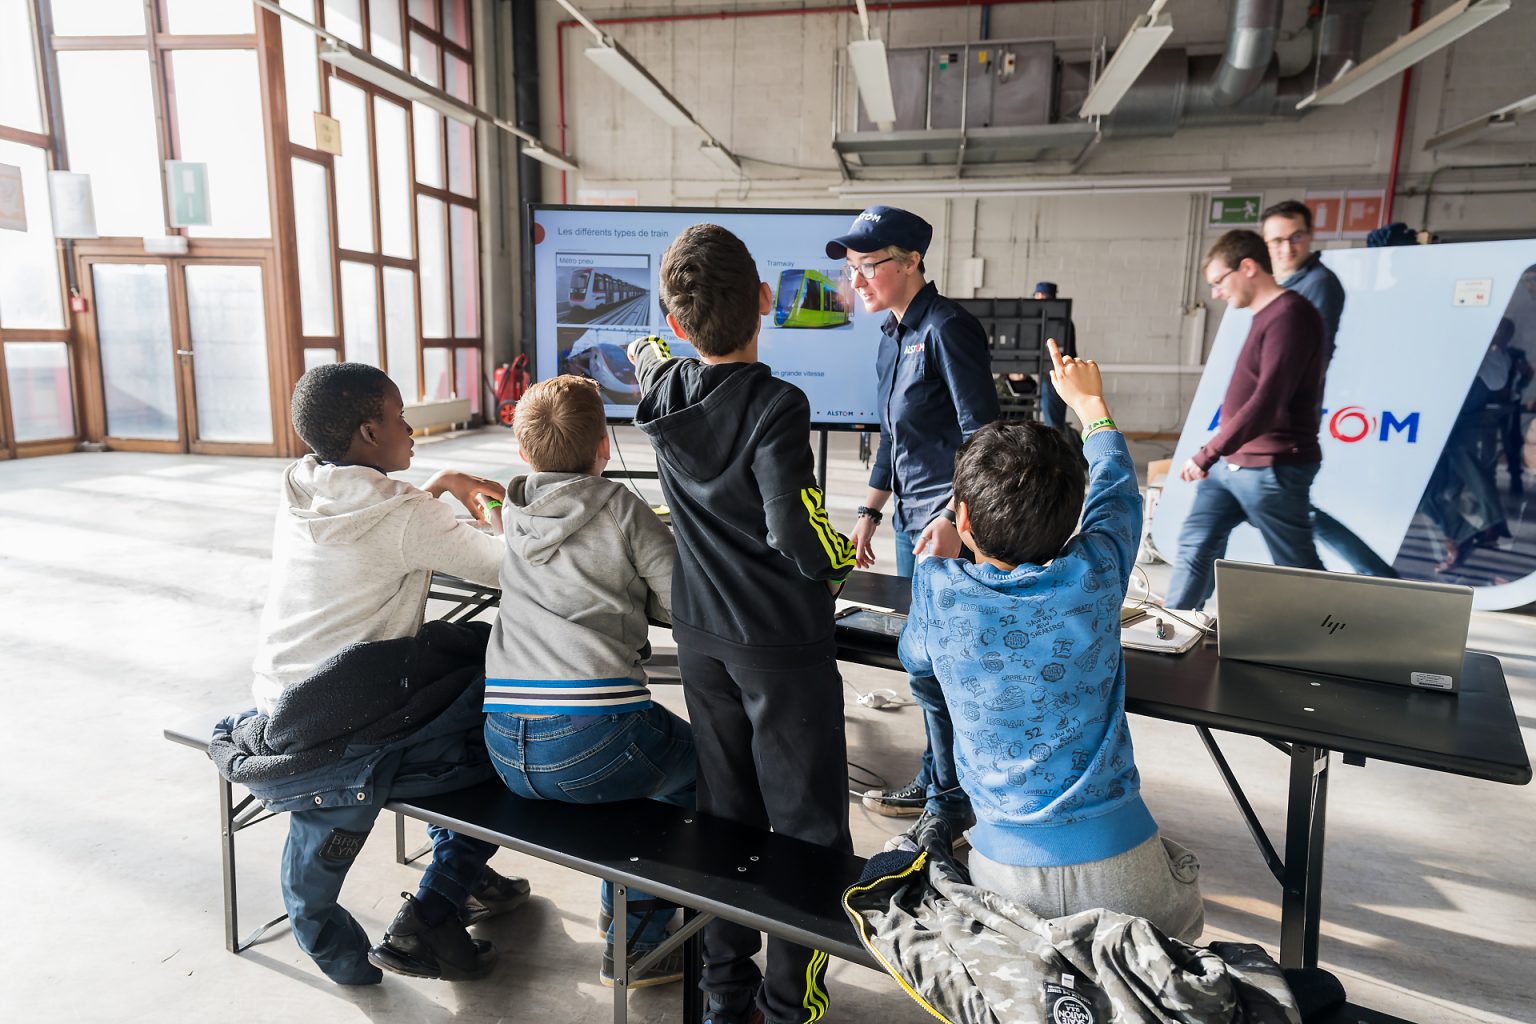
(560, 423)
(896, 252)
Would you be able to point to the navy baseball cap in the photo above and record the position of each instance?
(880, 226)
(1049, 287)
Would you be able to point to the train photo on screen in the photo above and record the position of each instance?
(809, 298)
(608, 290)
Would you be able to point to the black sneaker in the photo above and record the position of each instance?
(927, 832)
(906, 802)
(720, 1010)
(418, 950)
(494, 896)
(663, 972)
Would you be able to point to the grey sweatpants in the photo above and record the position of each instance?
(1158, 880)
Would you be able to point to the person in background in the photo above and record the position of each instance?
(1259, 466)
(935, 390)
(1053, 411)
(1287, 228)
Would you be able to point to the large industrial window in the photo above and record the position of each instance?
(37, 394)
(406, 253)
(363, 246)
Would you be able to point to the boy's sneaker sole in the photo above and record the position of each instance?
(906, 802)
(386, 958)
(665, 971)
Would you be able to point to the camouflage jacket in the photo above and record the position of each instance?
(970, 956)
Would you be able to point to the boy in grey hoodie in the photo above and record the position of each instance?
(569, 715)
(352, 558)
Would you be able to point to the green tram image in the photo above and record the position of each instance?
(809, 298)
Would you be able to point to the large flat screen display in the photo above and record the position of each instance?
(595, 274)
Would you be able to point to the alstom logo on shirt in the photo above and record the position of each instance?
(912, 350)
(1353, 423)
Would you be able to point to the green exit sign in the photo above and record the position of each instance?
(1235, 211)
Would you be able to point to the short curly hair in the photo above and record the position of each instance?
(332, 400)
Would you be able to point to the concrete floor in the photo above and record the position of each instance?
(130, 590)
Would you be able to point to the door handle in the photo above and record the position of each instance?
(183, 351)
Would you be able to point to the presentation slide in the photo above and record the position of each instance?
(595, 278)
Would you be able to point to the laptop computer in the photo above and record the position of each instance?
(1365, 627)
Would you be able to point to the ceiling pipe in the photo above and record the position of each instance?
(1180, 91)
(1252, 30)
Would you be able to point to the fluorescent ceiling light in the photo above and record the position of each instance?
(545, 156)
(1483, 124)
(348, 58)
(1435, 34)
(1109, 184)
(375, 72)
(1147, 35)
(873, 74)
(720, 157)
(617, 64)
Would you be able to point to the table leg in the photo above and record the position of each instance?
(620, 953)
(1302, 886)
(693, 973)
(227, 848)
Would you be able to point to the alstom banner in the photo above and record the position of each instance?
(1422, 412)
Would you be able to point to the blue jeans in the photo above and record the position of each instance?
(906, 562)
(936, 774)
(1342, 541)
(323, 843)
(634, 755)
(1276, 500)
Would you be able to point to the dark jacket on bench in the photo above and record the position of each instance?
(333, 738)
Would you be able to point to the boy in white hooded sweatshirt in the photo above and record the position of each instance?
(353, 553)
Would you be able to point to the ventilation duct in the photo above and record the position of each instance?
(1251, 33)
(1242, 86)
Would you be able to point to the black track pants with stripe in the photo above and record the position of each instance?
(771, 754)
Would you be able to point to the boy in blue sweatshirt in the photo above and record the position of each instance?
(1025, 645)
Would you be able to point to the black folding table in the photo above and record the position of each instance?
(1305, 715)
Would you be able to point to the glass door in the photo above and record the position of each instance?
(230, 386)
(183, 353)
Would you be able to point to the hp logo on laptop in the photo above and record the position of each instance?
(1330, 625)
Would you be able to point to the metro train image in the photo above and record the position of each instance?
(809, 298)
(595, 291)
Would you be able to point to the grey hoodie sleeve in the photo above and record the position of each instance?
(654, 551)
(435, 539)
(798, 527)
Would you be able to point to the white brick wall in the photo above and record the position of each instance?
(765, 87)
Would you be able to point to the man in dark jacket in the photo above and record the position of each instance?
(1287, 230)
(1259, 466)
(758, 564)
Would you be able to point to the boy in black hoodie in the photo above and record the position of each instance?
(758, 565)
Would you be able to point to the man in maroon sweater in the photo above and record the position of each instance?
(1258, 468)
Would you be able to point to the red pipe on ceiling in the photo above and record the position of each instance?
(777, 12)
(1402, 120)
